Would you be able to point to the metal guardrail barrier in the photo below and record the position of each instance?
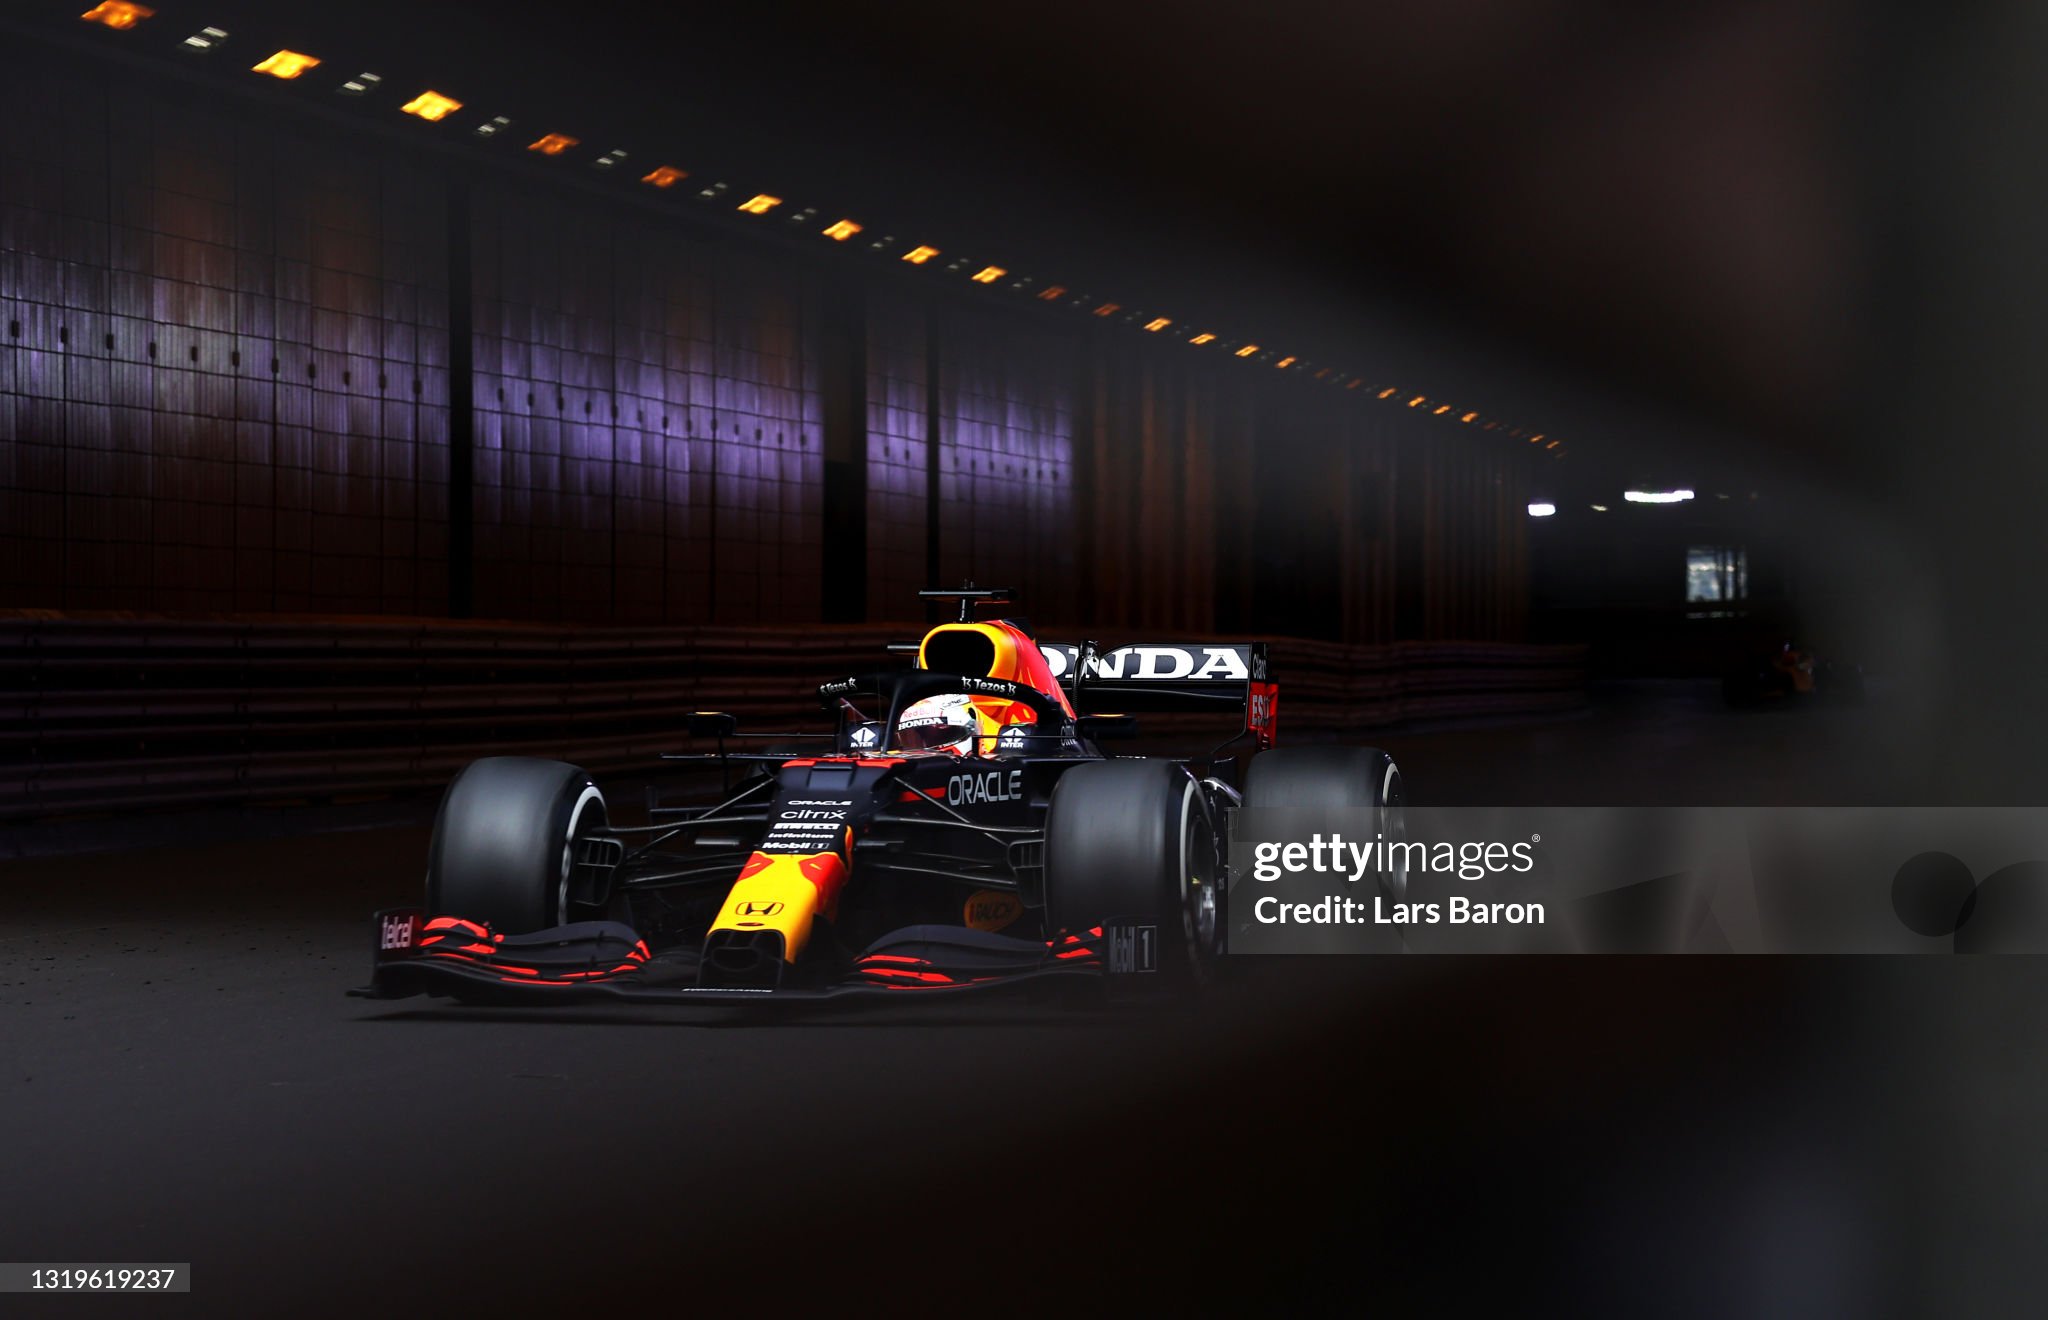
(109, 711)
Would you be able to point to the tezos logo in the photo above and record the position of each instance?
(397, 933)
(994, 786)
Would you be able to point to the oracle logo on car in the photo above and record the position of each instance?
(994, 786)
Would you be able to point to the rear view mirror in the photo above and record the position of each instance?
(712, 724)
(1098, 727)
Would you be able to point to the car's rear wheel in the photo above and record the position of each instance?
(1130, 843)
(1293, 794)
(504, 848)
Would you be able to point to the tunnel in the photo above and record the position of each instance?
(1602, 440)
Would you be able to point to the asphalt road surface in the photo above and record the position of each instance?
(182, 1079)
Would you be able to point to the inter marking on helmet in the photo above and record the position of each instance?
(991, 786)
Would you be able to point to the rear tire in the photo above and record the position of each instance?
(1299, 792)
(1132, 841)
(504, 843)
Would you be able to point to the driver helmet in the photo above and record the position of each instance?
(938, 724)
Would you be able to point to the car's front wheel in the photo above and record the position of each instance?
(504, 848)
(1130, 844)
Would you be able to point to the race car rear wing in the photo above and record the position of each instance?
(1171, 676)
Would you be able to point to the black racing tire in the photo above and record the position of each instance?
(504, 839)
(1134, 840)
(1292, 794)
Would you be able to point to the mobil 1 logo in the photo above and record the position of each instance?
(1133, 949)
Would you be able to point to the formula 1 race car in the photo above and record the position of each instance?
(1790, 672)
(961, 830)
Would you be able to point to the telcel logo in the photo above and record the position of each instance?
(397, 933)
(994, 786)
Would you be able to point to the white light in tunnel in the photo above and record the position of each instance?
(1597, 508)
(1542, 510)
(207, 38)
(1656, 496)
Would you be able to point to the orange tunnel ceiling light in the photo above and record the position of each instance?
(1441, 409)
(1387, 393)
(1417, 401)
(988, 274)
(118, 14)
(1469, 417)
(1109, 309)
(841, 231)
(1204, 338)
(1284, 362)
(552, 144)
(664, 176)
(1158, 323)
(1247, 350)
(431, 106)
(760, 204)
(286, 64)
(917, 256)
(1053, 293)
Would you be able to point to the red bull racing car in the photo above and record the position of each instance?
(960, 828)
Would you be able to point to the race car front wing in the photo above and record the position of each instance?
(605, 961)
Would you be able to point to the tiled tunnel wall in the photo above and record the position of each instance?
(225, 387)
